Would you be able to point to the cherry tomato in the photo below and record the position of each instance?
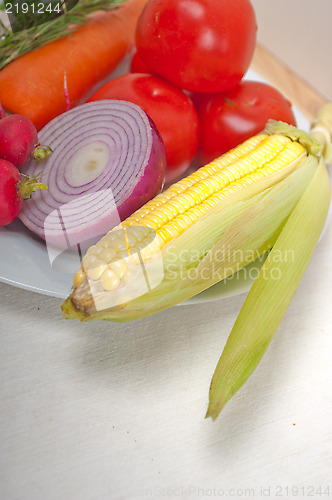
(227, 119)
(198, 45)
(171, 110)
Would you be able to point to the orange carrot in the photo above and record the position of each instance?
(33, 84)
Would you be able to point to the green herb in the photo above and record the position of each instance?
(13, 45)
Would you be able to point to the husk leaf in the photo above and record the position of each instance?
(272, 292)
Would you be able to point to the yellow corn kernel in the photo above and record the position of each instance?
(96, 270)
(109, 280)
(119, 267)
(107, 254)
(78, 277)
(88, 261)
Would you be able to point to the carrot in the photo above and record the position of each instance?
(33, 84)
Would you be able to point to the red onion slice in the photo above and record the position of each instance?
(108, 160)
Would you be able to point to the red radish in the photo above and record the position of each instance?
(13, 190)
(19, 141)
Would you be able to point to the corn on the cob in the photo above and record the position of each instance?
(192, 215)
(206, 227)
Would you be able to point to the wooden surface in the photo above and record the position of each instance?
(302, 95)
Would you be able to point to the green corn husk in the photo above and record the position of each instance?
(272, 292)
(269, 298)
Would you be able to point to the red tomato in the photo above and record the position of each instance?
(171, 110)
(198, 45)
(137, 65)
(227, 119)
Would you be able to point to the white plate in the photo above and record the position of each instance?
(24, 261)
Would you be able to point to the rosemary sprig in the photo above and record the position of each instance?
(13, 45)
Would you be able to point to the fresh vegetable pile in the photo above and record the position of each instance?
(262, 188)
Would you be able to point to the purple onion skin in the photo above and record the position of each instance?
(152, 180)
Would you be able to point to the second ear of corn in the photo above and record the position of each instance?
(205, 228)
